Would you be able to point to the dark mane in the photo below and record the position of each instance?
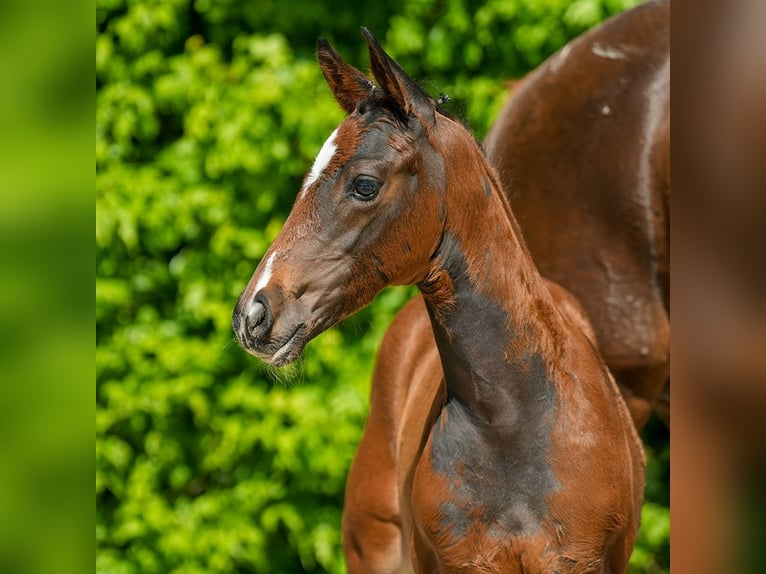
(381, 101)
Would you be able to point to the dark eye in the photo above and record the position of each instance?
(365, 188)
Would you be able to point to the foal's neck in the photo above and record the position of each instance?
(494, 320)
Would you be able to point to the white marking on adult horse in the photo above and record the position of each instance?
(559, 60)
(608, 52)
(321, 162)
(265, 277)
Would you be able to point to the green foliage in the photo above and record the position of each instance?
(208, 115)
(653, 542)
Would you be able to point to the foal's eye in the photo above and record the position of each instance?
(365, 188)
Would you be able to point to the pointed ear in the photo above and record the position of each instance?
(393, 80)
(348, 85)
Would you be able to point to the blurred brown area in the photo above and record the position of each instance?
(719, 288)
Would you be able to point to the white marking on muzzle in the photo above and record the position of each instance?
(321, 162)
(265, 277)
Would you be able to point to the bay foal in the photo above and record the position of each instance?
(583, 149)
(497, 440)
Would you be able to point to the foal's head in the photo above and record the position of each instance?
(370, 212)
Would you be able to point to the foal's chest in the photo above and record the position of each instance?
(480, 482)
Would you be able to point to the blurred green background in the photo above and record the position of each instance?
(208, 114)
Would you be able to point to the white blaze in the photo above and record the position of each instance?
(263, 280)
(322, 161)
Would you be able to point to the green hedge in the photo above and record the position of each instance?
(208, 115)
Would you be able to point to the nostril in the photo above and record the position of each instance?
(257, 314)
(257, 319)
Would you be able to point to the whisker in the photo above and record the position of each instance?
(287, 375)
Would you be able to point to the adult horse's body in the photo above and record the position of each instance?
(582, 148)
(497, 440)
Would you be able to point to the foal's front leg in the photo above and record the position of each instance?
(372, 521)
(406, 387)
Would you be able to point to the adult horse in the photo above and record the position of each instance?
(582, 149)
(497, 439)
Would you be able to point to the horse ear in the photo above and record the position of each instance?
(395, 81)
(348, 85)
